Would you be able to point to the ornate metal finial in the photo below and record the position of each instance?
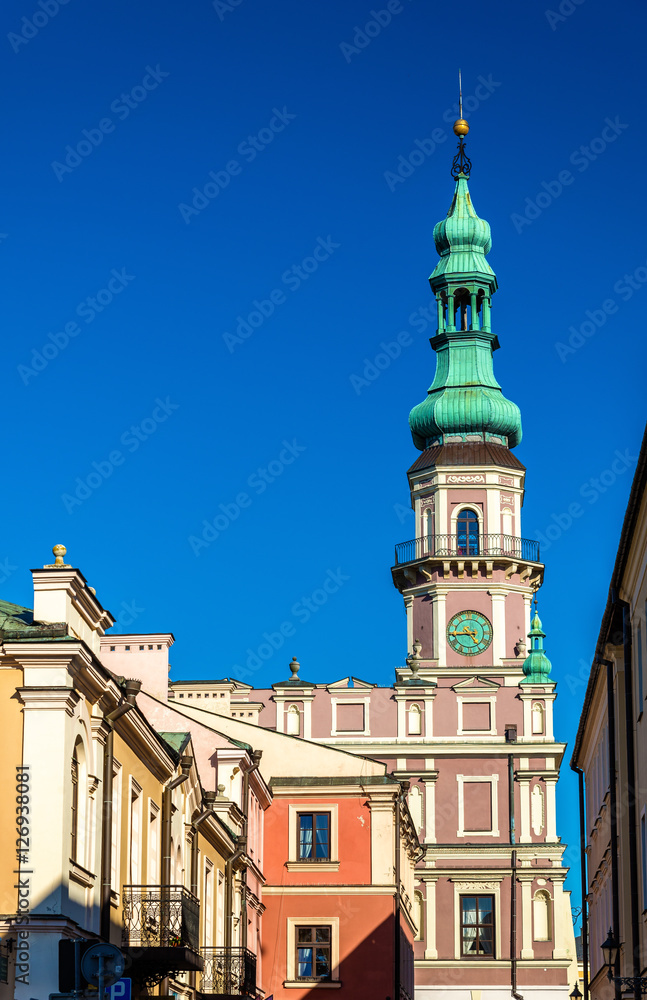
(461, 163)
(295, 666)
(59, 562)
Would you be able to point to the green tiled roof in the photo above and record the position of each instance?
(17, 623)
(176, 741)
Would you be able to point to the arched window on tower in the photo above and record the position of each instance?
(419, 914)
(79, 803)
(294, 721)
(429, 529)
(538, 719)
(415, 721)
(75, 805)
(467, 533)
(506, 529)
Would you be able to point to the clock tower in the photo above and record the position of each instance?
(469, 575)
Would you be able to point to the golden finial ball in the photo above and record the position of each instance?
(461, 127)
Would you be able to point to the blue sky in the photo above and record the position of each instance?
(172, 339)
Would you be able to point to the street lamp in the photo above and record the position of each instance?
(575, 993)
(633, 984)
(610, 952)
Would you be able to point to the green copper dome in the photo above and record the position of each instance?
(462, 239)
(465, 400)
(536, 666)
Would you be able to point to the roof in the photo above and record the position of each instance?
(18, 623)
(205, 680)
(467, 453)
(176, 741)
(368, 779)
(638, 487)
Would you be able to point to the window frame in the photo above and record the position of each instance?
(294, 862)
(321, 920)
(313, 945)
(474, 895)
(314, 816)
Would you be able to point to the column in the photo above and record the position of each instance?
(526, 915)
(430, 808)
(551, 815)
(430, 919)
(486, 313)
(475, 314)
(498, 626)
(559, 914)
(450, 311)
(441, 324)
(439, 613)
(383, 821)
(408, 607)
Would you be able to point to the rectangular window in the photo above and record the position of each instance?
(75, 805)
(313, 953)
(477, 926)
(314, 836)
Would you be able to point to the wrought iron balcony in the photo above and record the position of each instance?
(161, 928)
(466, 547)
(228, 972)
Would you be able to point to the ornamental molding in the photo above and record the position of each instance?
(506, 498)
(506, 481)
(493, 885)
(465, 479)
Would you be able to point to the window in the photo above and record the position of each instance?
(538, 718)
(127, 647)
(313, 953)
(75, 805)
(208, 904)
(415, 721)
(477, 926)
(153, 844)
(112, 649)
(429, 517)
(141, 647)
(135, 833)
(314, 836)
(467, 533)
(150, 647)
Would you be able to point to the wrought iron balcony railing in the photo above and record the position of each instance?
(229, 971)
(161, 916)
(462, 547)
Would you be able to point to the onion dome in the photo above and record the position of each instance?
(536, 666)
(457, 410)
(462, 239)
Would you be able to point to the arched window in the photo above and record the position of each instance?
(79, 778)
(467, 533)
(294, 721)
(419, 914)
(542, 916)
(538, 718)
(415, 807)
(415, 720)
(429, 528)
(506, 528)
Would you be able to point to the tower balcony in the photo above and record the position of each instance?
(440, 552)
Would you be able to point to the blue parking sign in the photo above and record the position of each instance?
(121, 990)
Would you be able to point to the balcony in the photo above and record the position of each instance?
(447, 547)
(161, 927)
(228, 972)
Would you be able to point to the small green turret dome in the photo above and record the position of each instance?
(536, 666)
(462, 239)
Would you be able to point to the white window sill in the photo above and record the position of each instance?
(312, 866)
(81, 875)
(309, 984)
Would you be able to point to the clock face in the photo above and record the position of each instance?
(469, 633)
